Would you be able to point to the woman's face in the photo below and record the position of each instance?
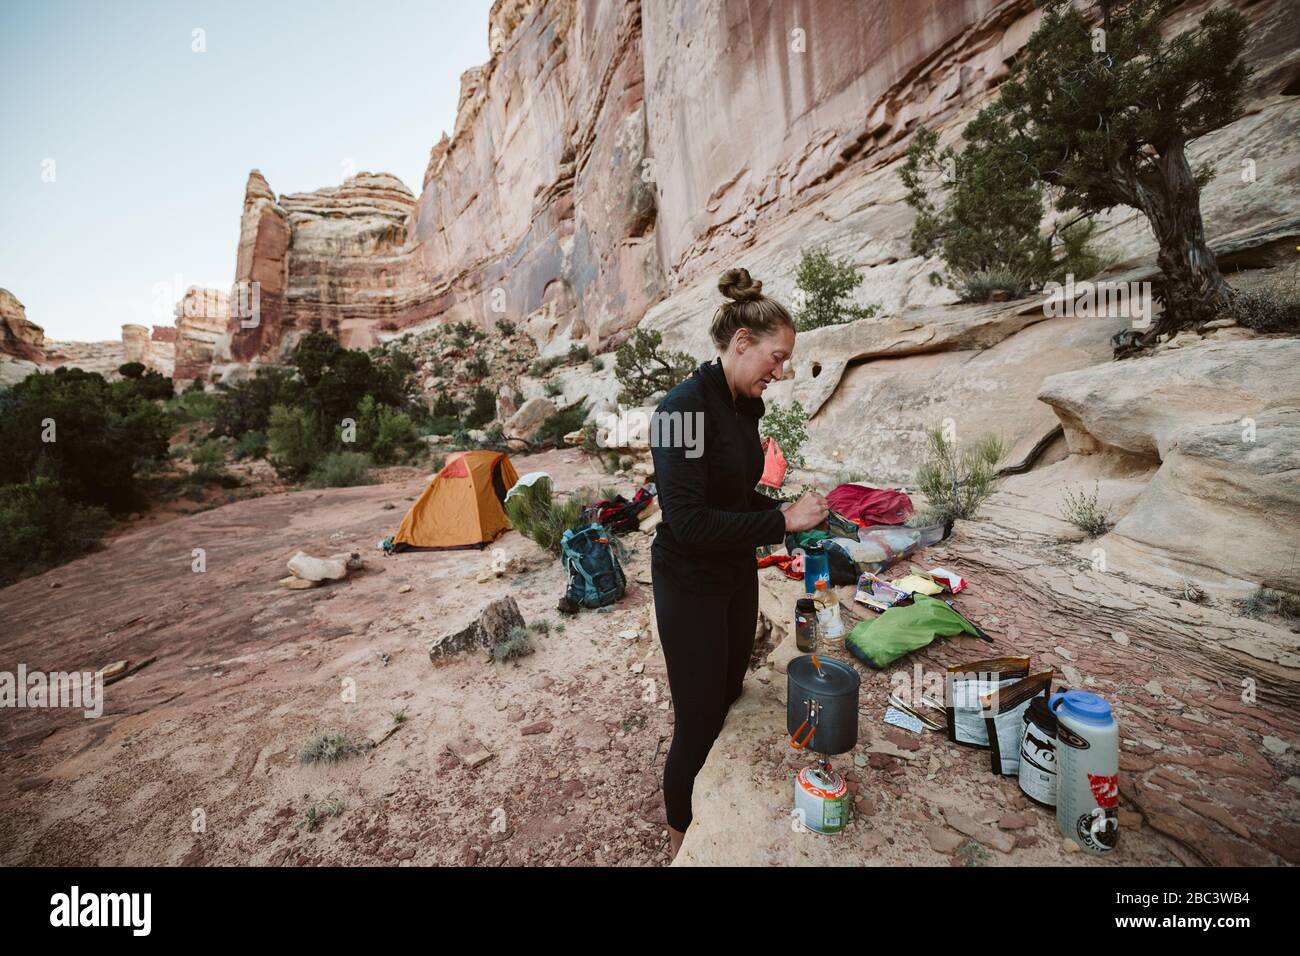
(760, 360)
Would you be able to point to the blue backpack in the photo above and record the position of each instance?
(595, 576)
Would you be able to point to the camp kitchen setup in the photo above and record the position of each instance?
(1061, 745)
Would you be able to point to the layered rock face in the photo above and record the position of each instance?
(349, 271)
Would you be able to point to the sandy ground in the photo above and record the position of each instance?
(208, 736)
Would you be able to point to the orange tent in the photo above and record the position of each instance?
(462, 507)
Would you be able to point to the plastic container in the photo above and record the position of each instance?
(830, 626)
(805, 625)
(1087, 770)
(816, 566)
(878, 548)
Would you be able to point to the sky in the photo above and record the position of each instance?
(130, 128)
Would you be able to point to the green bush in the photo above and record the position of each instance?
(209, 460)
(251, 445)
(342, 469)
(505, 327)
(516, 644)
(826, 287)
(385, 433)
(556, 426)
(1084, 513)
(446, 407)
(1274, 307)
(245, 406)
(40, 528)
(788, 424)
(89, 435)
(292, 442)
(642, 369)
(542, 367)
(483, 408)
(955, 480)
(579, 353)
(193, 405)
(477, 367)
(535, 514)
(554, 388)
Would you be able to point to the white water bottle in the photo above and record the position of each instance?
(1087, 770)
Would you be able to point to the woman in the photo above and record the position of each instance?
(703, 561)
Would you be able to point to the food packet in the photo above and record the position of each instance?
(966, 684)
(1004, 719)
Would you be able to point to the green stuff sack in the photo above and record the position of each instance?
(880, 641)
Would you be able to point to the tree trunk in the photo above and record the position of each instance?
(1192, 290)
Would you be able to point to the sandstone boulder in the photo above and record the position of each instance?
(490, 626)
(1221, 423)
(523, 424)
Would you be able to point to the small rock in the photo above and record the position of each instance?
(1015, 821)
(1276, 745)
(942, 840)
(405, 589)
(537, 727)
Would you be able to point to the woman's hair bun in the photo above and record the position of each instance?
(736, 284)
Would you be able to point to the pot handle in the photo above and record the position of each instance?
(801, 744)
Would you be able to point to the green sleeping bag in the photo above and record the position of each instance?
(882, 640)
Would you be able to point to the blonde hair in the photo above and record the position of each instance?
(748, 309)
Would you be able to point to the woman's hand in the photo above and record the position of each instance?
(808, 512)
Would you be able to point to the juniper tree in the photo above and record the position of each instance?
(642, 369)
(1103, 110)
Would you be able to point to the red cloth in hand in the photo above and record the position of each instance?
(774, 464)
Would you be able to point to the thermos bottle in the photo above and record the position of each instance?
(816, 567)
(1087, 770)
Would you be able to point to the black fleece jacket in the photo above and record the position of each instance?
(713, 518)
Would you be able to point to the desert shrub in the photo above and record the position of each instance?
(1083, 511)
(579, 353)
(554, 388)
(318, 813)
(383, 432)
(329, 748)
(192, 405)
(534, 513)
(477, 367)
(89, 435)
(246, 405)
(40, 527)
(483, 407)
(956, 480)
(788, 424)
(505, 327)
(1274, 307)
(209, 460)
(642, 368)
(825, 285)
(1270, 601)
(251, 445)
(515, 644)
(146, 382)
(556, 426)
(444, 406)
(542, 367)
(341, 469)
(293, 445)
(980, 285)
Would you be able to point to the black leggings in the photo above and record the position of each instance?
(707, 642)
